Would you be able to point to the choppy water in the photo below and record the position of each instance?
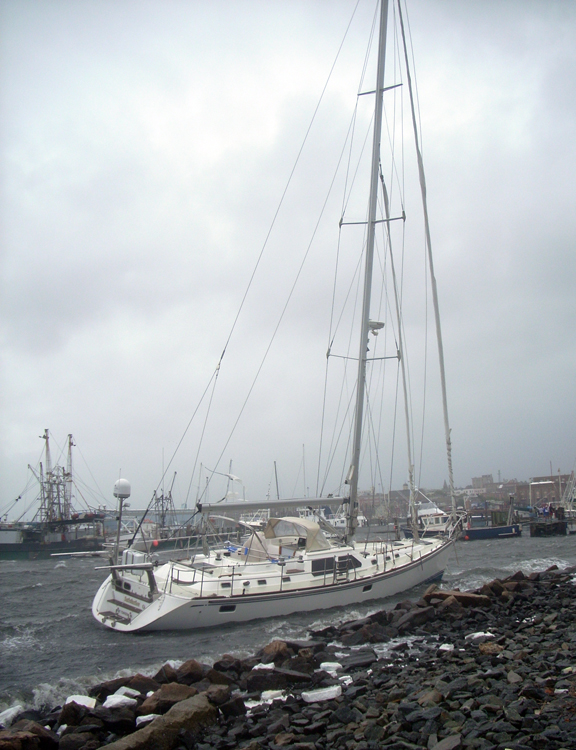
(50, 646)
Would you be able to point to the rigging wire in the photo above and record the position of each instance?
(349, 182)
(255, 269)
(401, 341)
(447, 429)
(102, 495)
(213, 378)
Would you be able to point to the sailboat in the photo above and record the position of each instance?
(293, 564)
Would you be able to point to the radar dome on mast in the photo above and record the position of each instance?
(122, 489)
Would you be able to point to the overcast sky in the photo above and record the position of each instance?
(145, 149)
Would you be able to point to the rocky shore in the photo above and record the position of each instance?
(491, 668)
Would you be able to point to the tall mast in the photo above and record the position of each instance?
(69, 480)
(48, 484)
(352, 479)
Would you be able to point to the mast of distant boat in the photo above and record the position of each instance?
(366, 325)
(69, 480)
(47, 485)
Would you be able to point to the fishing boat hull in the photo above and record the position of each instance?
(119, 610)
(31, 551)
(492, 532)
(23, 544)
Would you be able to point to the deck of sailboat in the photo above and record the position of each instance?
(226, 586)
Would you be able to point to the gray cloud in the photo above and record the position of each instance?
(145, 149)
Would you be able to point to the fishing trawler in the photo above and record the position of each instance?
(56, 527)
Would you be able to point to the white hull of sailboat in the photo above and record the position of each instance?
(117, 608)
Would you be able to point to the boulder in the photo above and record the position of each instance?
(372, 632)
(166, 697)
(450, 605)
(48, 739)
(276, 651)
(218, 694)
(15, 740)
(83, 700)
(359, 659)
(266, 679)
(414, 618)
(162, 734)
(143, 685)
(234, 707)
(104, 689)
(452, 742)
(77, 741)
(219, 678)
(117, 720)
(489, 647)
(430, 698)
(465, 598)
(228, 663)
(494, 588)
(72, 714)
(304, 662)
(165, 674)
(189, 672)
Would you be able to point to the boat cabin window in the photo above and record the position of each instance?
(322, 566)
(262, 582)
(326, 564)
(352, 562)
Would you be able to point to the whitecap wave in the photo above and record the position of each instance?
(49, 695)
(20, 641)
